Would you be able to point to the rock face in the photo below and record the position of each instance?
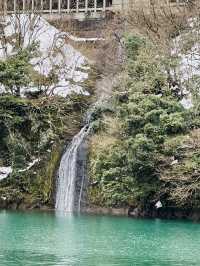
(11, 199)
(106, 211)
(165, 213)
(81, 179)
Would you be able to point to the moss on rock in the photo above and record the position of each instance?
(34, 131)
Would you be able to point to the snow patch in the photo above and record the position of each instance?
(54, 53)
(189, 66)
(5, 172)
(79, 39)
(187, 102)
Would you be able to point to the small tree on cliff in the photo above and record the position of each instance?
(15, 72)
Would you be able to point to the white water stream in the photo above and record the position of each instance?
(67, 174)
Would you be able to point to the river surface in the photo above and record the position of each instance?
(39, 238)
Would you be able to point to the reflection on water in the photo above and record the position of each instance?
(39, 238)
(22, 258)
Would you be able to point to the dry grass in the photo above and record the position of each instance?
(112, 125)
(182, 179)
(105, 140)
(102, 142)
(194, 140)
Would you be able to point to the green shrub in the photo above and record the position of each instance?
(173, 123)
(15, 72)
(153, 125)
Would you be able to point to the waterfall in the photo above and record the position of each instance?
(67, 174)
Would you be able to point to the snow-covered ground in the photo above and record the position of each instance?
(55, 54)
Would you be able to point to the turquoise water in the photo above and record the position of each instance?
(36, 238)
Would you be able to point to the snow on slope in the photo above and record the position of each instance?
(54, 53)
(187, 49)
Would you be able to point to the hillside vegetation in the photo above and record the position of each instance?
(146, 144)
(35, 132)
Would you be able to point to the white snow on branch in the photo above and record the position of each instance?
(30, 165)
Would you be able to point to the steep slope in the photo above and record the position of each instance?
(36, 125)
(144, 155)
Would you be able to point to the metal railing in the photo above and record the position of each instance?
(55, 6)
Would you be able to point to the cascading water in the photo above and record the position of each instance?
(65, 196)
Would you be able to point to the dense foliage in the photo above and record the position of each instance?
(135, 157)
(16, 70)
(145, 145)
(35, 131)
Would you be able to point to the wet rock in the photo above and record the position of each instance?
(105, 211)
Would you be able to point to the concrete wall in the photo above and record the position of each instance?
(145, 4)
(121, 4)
